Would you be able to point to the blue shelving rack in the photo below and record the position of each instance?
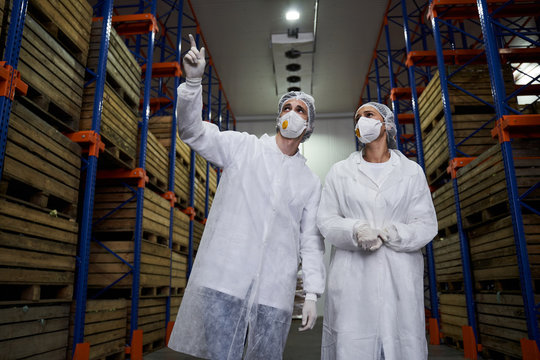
(396, 84)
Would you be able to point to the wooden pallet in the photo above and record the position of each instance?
(156, 215)
(123, 71)
(152, 322)
(68, 21)
(157, 163)
(119, 125)
(42, 166)
(155, 264)
(482, 184)
(493, 249)
(501, 322)
(55, 79)
(37, 253)
(36, 331)
(445, 207)
(104, 328)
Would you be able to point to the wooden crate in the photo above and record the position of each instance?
(468, 115)
(179, 269)
(104, 328)
(445, 207)
(482, 183)
(176, 301)
(157, 163)
(160, 126)
(34, 331)
(156, 214)
(493, 249)
(41, 164)
(435, 141)
(181, 232)
(123, 71)
(501, 323)
(212, 181)
(68, 21)
(453, 311)
(448, 266)
(151, 321)
(38, 250)
(198, 229)
(55, 79)
(155, 266)
(119, 125)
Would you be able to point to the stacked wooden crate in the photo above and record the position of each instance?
(151, 320)
(105, 328)
(468, 115)
(40, 184)
(488, 224)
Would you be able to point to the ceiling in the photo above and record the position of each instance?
(238, 35)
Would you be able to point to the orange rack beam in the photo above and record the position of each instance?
(10, 81)
(164, 69)
(463, 56)
(137, 173)
(156, 103)
(404, 93)
(533, 89)
(135, 24)
(407, 137)
(522, 55)
(457, 163)
(516, 126)
(467, 9)
(405, 119)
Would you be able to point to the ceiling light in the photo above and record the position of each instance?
(293, 78)
(292, 15)
(293, 67)
(293, 88)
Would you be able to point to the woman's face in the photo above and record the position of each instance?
(369, 112)
(295, 105)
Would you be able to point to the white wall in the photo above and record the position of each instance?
(333, 140)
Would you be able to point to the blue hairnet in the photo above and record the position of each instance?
(310, 103)
(388, 117)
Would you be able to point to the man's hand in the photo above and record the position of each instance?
(309, 315)
(194, 61)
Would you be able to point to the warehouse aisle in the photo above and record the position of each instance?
(306, 346)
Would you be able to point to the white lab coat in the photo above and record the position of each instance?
(375, 300)
(261, 224)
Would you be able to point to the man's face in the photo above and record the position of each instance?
(295, 105)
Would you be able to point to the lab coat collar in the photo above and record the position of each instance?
(270, 141)
(394, 177)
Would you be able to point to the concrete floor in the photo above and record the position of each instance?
(306, 346)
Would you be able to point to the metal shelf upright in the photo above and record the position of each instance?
(10, 78)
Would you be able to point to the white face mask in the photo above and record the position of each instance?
(291, 125)
(367, 129)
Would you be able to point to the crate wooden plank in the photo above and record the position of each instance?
(443, 200)
(55, 79)
(105, 327)
(453, 315)
(482, 183)
(179, 266)
(156, 213)
(34, 330)
(176, 301)
(181, 232)
(119, 124)
(447, 255)
(105, 267)
(157, 163)
(68, 21)
(44, 160)
(123, 71)
(151, 320)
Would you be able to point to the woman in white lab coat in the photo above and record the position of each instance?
(376, 212)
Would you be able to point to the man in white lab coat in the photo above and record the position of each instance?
(376, 211)
(240, 295)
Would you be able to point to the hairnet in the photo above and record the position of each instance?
(388, 117)
(310, 103)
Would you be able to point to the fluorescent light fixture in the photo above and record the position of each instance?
(292, 15)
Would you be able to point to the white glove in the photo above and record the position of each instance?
(368, 239)
(389, 233)
(309, 314)
(194, 63)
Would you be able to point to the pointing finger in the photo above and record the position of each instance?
(192, 41)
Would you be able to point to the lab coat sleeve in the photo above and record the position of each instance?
(421, 225)
(336, 228)
(218, 147)
(312, 247)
